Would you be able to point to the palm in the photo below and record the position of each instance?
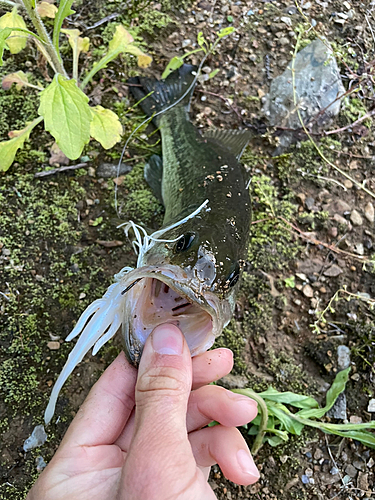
(103, 457)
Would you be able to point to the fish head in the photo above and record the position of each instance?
(189, 279)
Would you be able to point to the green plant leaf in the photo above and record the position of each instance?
(282, 413)
(175, 63)
(121, 39)
(213, 73)
(226, 31)
(46, 9)
(4, 33)
(333, 393)
(290, 282)
(67, 115)
(105, 127)
(274, 440)
(63, 11)
(15, 42)
(8, 149)
(297, 400)
(366, 438)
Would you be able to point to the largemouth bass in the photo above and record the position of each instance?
(188, 271)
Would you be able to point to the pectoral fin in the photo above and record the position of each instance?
(154, 175)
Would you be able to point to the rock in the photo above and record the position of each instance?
(359, 249)
(334, 471)
(40, 464)
(37, 438)
(370, 212)
(359, 465)
(305, 479)
(355, 420)
(356, 218)
(286, 20)
(337, 207)
(338, 410)
(284, 41)
(317, 84)
(318, 454)
(186, 43)
(53, 345)
(368, 243)
(333, 271)
(309, 203)
(343, 357)
(308, 291)
(340, 220)
(351, 470)
(362, 481)
(371, 406)
(327, 478)
(333, 231)
(370, 463)
(348, 184)
(108, 170)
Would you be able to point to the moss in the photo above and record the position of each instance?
(232, 338)
(16, 108)
(353, 109)
(272, 245)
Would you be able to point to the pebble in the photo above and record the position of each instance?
(309, 202)
(284, 41)
(359, 465)
(348, 184)
(370, 463)
(286, 20)
(231, 381)
(37, 438)
(362, 481)
(354, 419)
(371, 406)
(356, 218)
(306, 5)
(305, 479)
(370, 212)
(340, 219)
(343, 357)
(333, 231)
(351, 470)
(186, 42)
(308, 291)
(333, 271)
(337, 207)
(53, 345)
(40, 464)
(334, 471)
(359, 249)
(107, 170)
(338, 410)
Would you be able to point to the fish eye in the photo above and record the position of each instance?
(185, 242)
(233, 276)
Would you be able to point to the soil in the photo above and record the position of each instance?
(311, 241)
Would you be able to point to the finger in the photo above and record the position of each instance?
(226, 447)
(211, 366)
(160, 438)
(216, 403)
(106, 409)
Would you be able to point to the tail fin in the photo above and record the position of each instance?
(164, 92)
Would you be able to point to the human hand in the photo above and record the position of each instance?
(144, 438)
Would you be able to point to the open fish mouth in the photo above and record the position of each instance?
(164, 296)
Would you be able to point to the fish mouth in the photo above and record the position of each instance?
(156, 296)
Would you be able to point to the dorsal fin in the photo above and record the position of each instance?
(234, 140)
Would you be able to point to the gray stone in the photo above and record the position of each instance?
(338, 410)
(333, 271)
(371, 406)
(351, 470)
(343, 357)
(37, 438)
(40, 464)
(308, 291)
(234, 381)
(362, 481)
(309, 202)
(337, 207)
(359, 465)
(359, 249)
(356, 218)
(317, 84)
(108, 170)
(370, 212)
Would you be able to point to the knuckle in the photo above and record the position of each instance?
(162, 379)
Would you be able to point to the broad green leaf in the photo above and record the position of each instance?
(15, 42)
(8, 149)
(105, 127)
(83, 44)
(297, 400)
(175, 63)
(46, 9)
(67, 115)
(282, 434)
(19, 78)
(213, 73)
(63, 11)
(253, 431)
(281, 413)
(333, 392)
(121, 39)
(4, 33)
(274, 440)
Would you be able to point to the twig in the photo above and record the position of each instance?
(45, 173)
(364, 117)
(370, 28)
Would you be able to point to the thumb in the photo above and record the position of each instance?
(160, 449)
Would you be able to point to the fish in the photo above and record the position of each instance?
(188, 271)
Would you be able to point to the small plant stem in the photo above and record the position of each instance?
(264, 417)
(100, 65)
(75, 60)
(42, 32)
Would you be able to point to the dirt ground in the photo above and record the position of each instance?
(312, 238)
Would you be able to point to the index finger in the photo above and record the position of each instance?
(210, 366)
(106, 409)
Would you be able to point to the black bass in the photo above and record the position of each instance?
(188, 271)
